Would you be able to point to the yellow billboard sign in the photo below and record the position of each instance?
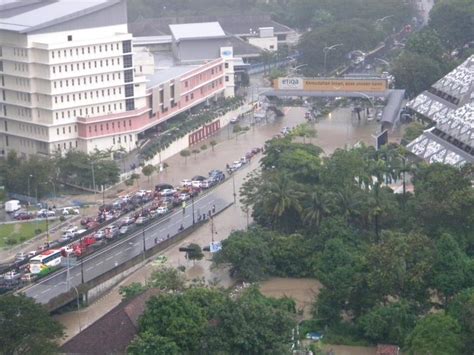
(332, 85)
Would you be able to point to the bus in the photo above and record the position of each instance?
(46, 260)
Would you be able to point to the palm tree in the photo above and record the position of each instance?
(315, 208)
(305, 130)
(282, 199)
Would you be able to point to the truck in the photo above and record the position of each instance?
(12, 206)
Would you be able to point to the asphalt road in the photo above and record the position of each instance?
(128, 247)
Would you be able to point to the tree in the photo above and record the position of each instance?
(148, 170)
(203, 147)
(149, 344)
(248, 253)
(213, 143)
(195, 152)
(426, 43)
(185, 153)
(130, 291)
(450, 19)
(412, 131)
(415, 72)
(27, 327)
(194, 252)
(449, 268)
(388, 324)
(436, 334)
(461, 308)
(304, 130)
(168, 279)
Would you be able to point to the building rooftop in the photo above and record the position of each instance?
(232, 25)
(197, 30)
(164, 75)
(26, 16)
(449, 103)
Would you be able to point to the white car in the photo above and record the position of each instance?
(141, 220)
(70, 211)
(99, 235)
(142, 193)
(186, 183)
(167, 192)
(71, 229)
(79, 232)
(68, 249)
(66, 236)
(162, 210)
(184, 197)
(236, 164)
(196, 183)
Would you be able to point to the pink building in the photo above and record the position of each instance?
(169, 92)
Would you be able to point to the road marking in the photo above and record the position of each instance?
(100, 263)
(110, 257)
(44, 291)
(89, 268)
(120, 252)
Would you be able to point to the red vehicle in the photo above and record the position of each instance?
(81, 247)
(92, 224)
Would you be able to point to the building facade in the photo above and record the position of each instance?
(70, 79)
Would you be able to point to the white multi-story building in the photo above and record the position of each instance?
(69, 79)
(61, 61)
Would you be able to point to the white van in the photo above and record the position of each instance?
(12, 206)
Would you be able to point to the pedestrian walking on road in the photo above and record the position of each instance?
(213, 208)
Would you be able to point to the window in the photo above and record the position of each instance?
(226, 78)
(185, 84)
(69, 129)
(129, 106)
(69, 38)
(127, 61)
(129, 90)
(126, 46)
(226, 65)
(192, 96)
(57, 131)
(128, 76)
(64, 130)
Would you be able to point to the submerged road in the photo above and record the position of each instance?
(128, 247)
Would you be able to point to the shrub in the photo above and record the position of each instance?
(37, 231)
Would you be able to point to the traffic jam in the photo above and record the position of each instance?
(125, 215)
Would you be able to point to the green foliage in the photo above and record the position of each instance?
(452, 19)
(27, 327)
(415, 72)
(148, 344)
(185, 153)
(194, 252)
(131, 291)
(148, 170)
(209, 321)
(412, 131)
(203, 147)
(436, 334)
(167, 279)
(213, 143)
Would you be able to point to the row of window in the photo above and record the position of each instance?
(86, 79)
(192, 82)
(205, 88)
(92, 110)
(20, 52)
(112, 124)
(19, 82)
(87, 95)
(20, 67)
(119, 139)
(64, 130)
(33, 129)
(65, 145)
(89, 65)
(83, 50)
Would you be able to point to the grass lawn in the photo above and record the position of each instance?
(14, 234)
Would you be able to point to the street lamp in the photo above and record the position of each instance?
(29, 177)
(326, 50)
(295, 69)
(380, 20)
(383, 61)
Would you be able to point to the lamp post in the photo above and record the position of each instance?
(233, 187)
(380, 20)
(295, 69)
(326, 50)
(93, 177)
(29, 196)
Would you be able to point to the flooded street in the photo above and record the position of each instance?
(339, 129)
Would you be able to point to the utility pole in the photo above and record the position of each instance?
(192, 206)
(233, 187)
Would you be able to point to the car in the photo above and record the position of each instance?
(206, 184)
(186, 182)
(70, 211)
(43, 213)
(11, 276)
(27, 277)
(184, 196)
(66, 236)
(142, 193)
(162, 210)
(21, 256)
(71, 229)
(234, 120)
(99, 234)
(141, 220)
(23, 216)
(92, 225)
(196, 183)
(198, 178)
(124, 229)
(167, 192)
(317, 336)
(236, 165)
(32, 253)
(67, 249)
(127, 220)
(161, 187)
